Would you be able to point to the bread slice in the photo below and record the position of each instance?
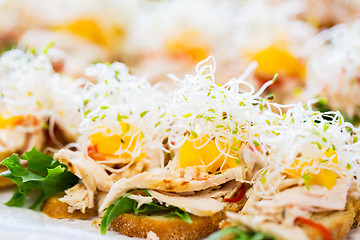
(55, 208)
(4, 182)
(171, 228)
(337, 222)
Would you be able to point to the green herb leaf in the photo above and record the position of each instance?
(239, 234)
(256, 143)
(43, 174)
(122, 205)
(128, 205)
(181, 214)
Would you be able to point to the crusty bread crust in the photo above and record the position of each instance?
(337, 222)
(4, 182)
(171, 228)
(55, 208)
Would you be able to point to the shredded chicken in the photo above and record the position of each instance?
(253, 161)
(280, 231)
(141, 200)
(78, 198)
(94, 177)
(197, 205)
(157, 181)
(318, 198)
(284, 207)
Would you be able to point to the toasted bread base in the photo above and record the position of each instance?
(55, 208)
(4, 182)
(337, 222)
(171, 228)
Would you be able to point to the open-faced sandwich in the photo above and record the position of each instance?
(308, 185)
(212, 128)
(122, 134)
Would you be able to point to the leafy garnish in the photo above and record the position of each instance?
(122, 205)
(128, 205)
(43, 174)
(181, 214)
(239, 234)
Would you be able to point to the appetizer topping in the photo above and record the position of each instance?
(274, 60)
(106, 35)
(126, 204)
(43, 174)
(325, 177)
(211, 121)
(123, 115)
(313, 148)
(318, 198)
(200, 205)
(270, 229)
(11, 121)
(324, 231)
(239, 233)
(112, 145)
(205, 152)
(163, 181)
(240, 195)
(86, 28)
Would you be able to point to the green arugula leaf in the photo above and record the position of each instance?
(181, 214)
(239, 234)
(43, 175)
(122, 205)
(128, 205)
(150, 207)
